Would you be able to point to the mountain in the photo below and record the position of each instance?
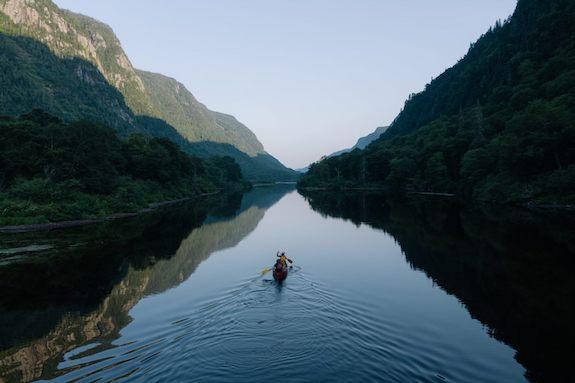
(497, 126)
(74, 67)
(363, 142)
(211, 133)
(179, 108)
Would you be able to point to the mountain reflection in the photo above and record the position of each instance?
(511, 268)
(83, 288)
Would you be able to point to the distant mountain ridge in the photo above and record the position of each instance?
(363, 142)
(91, 77)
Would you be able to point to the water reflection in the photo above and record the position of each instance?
(80, 287)
(511, 268)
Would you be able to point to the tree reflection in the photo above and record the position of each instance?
(83, 289)
(512, 268)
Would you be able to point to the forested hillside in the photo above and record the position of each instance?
(54, 171)
(179, 108)
(211, 133)
(498, 126)
(31, 76)
(74, 67)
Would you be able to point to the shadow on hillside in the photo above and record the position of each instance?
(74, 89)
(511, 268)
(260, 168)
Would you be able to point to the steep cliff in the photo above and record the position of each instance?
(75, 68)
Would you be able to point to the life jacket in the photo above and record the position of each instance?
(279, 265)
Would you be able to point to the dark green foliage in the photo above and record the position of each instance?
(51, 170)
(498, 126)
(31, 76)
(227, 168)
(512, 268)
(60, 78)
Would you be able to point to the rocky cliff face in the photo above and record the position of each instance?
(68, 34)
(90, 76)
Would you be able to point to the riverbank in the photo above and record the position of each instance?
(527, 205)
(46, 177)
(83, 222)
(269, 184)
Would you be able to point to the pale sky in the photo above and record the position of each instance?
(308, 77)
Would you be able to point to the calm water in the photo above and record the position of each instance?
(412, 291)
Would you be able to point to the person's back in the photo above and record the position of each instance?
(280, 265)
(283, 258)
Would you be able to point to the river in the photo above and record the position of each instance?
(417, 290)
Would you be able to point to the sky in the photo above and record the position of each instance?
(308, 77)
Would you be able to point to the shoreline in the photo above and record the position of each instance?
(16, 229)
(526, 205)
(269, 184)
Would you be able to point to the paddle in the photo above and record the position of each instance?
(289, 260)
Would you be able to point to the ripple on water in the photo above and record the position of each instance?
(301, 331)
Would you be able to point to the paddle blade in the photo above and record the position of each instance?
(265, 271)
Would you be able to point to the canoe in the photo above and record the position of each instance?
(280, 274)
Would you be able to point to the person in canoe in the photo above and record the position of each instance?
(281, 267)
(282, 257)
